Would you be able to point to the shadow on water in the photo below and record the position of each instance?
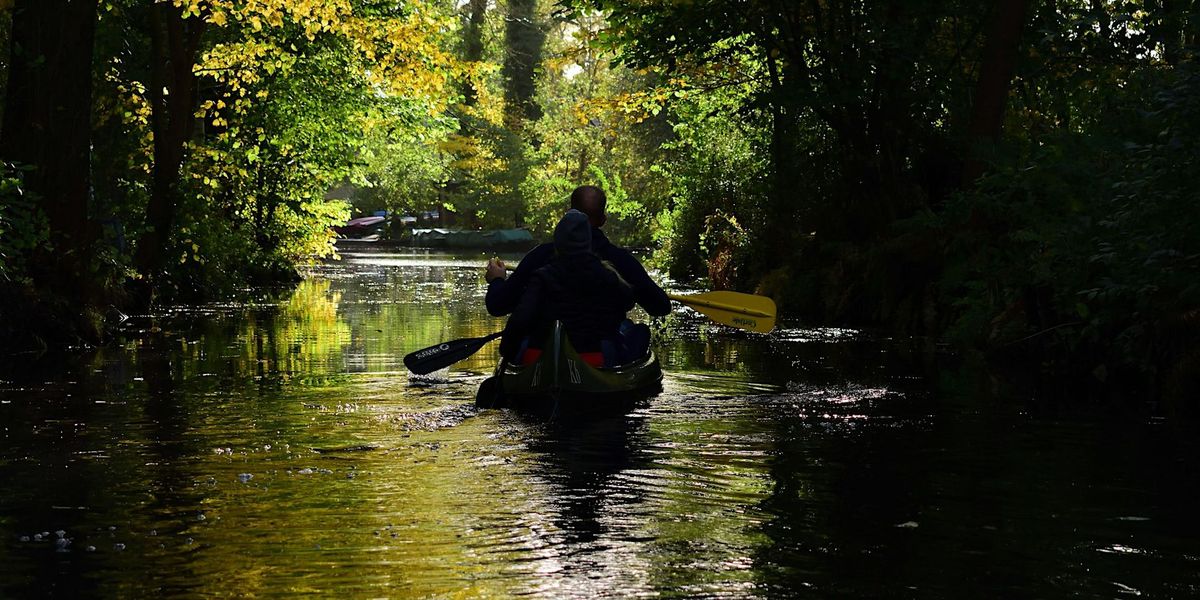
(280, 448)
(581, 457)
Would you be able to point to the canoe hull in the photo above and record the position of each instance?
(562, 382)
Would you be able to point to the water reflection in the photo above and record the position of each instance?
(279, 448)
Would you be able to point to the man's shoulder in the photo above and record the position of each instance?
(538, 257)
(542, 248)
(617, 255)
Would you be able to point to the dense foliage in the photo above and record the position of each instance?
(1017, 175)
(1088, 254)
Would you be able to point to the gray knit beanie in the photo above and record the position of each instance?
(573, 234)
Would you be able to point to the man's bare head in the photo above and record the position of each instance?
(590, 200)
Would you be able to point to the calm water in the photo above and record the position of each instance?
(281, 449)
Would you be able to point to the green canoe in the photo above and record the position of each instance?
(560, 381)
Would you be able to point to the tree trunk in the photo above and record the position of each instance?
(174, 42)
(47, 126)
(5, 46)
(524, 38)
(995, 78)
(1171, 29)
(1190, 24)
(781, 223)
(473, 45)
(581, 169)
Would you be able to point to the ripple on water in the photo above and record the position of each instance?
(769, 464)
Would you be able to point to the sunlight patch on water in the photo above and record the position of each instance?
(709, 382)
(441, 418)
(1125, 589)
(839, 396)
(1121, 549)
(818, 334)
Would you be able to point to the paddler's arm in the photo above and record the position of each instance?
(504, 293)
(645, 292)
(523, 318)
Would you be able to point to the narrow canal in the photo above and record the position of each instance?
(280, 449)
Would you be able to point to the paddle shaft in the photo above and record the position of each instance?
(719, 306)
(697, 300)
(427, 360)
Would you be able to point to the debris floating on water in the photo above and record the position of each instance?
(310, 471)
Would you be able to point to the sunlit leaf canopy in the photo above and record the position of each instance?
(398, 41)
(289, 92)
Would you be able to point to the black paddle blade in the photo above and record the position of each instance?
(433, 358)
(489, 394)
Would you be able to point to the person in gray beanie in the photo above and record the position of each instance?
(506, 290)
(577, 288)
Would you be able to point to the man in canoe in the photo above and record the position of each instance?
(504, 292)
(577, 288)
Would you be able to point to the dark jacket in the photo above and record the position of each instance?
(580, 290)
(504, 294)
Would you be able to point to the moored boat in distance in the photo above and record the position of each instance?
(515, 239)
(365, 229)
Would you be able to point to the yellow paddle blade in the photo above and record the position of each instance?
(744, 311)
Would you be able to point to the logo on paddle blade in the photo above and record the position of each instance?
(744, 321)
(426, 353)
